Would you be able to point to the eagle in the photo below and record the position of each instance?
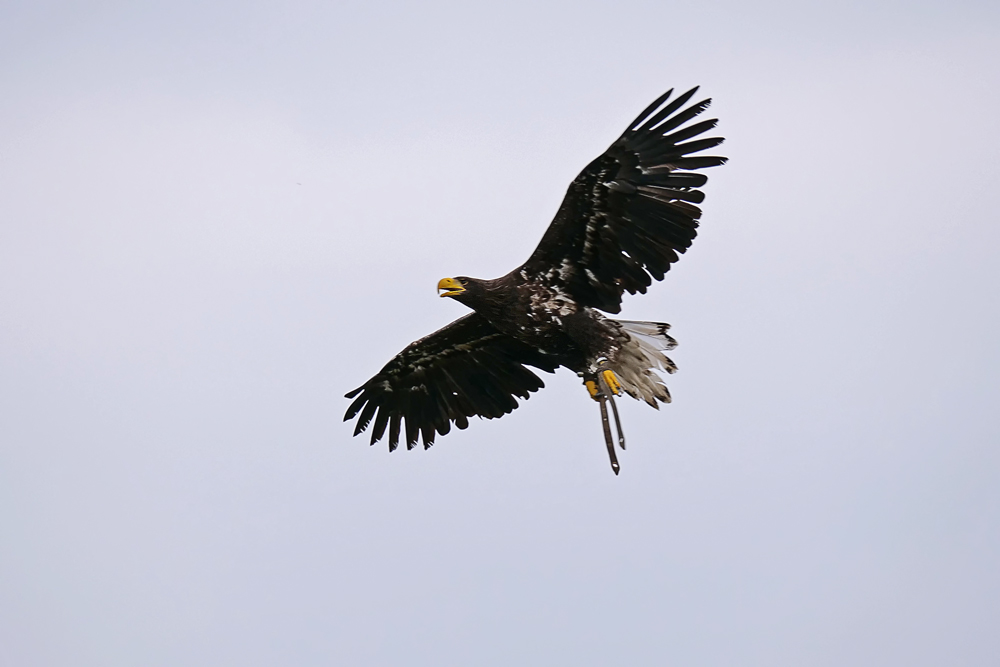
(622, 224)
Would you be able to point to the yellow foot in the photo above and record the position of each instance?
(613, 384)
(592, 388)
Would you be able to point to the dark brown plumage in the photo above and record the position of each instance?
(621, 225)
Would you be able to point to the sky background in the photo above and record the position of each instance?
(217, 218)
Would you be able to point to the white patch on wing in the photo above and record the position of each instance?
(553, 302)
(565, 270)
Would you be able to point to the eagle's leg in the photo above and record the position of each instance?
(612, 382)
(618, 422)
(607, 434)
(601, 391)
(613, 388)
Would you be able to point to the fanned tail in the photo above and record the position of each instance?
(643, 354)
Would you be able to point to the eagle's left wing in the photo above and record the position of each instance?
(466, 369)
(630, 211)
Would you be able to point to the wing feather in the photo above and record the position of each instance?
(466, 369)
(631, 211)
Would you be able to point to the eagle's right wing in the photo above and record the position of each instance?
(466, 369)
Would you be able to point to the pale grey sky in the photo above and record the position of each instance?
(215, 219)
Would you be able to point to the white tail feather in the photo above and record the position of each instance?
(643, 354)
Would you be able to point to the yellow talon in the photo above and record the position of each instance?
(613, 384)
(591, 387)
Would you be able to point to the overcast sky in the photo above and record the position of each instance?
(217, 218)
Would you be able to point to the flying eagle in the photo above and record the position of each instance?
(621, 224)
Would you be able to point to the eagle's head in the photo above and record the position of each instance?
(462, 288)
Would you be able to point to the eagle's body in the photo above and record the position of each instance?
(539, 316)
(548, 320)
(622, 223)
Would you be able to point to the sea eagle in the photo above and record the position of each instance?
(621, 224)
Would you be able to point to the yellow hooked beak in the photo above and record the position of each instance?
(453, 287)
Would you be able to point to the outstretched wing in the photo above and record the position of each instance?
(628, 214)
(468, 368)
